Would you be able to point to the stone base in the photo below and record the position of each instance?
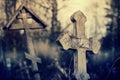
(81, 76)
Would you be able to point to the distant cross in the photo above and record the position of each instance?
(79, 42)
(24, 16)
(27, 70)
(21, 66)
(24, 70)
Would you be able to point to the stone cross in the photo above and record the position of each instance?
(79, 42)
(24, 16)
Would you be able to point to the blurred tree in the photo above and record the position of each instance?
(113, 38)
(116, 25)
(55, 30)
(113, 27)
(10, 6)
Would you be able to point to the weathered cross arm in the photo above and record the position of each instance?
(69, 42)
(19, 26)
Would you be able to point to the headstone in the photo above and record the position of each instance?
(79, 42)
(22, 16)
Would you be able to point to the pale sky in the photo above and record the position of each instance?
(88, 7)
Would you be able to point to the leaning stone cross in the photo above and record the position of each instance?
(24, 16)
(79, 42)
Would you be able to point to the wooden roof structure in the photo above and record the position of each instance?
(23, 6)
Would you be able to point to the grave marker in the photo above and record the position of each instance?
(79, 42)
(22, 15)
